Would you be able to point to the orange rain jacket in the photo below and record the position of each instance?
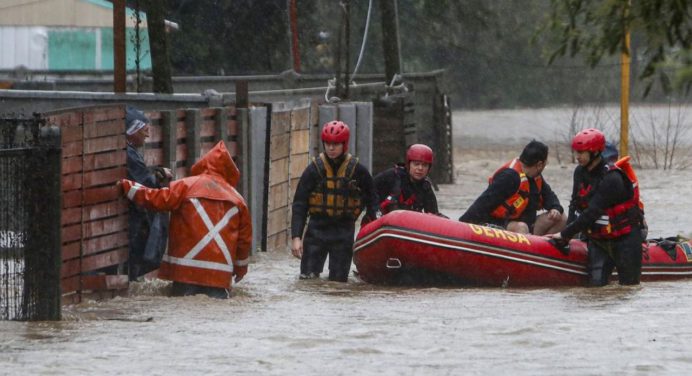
(210, 229)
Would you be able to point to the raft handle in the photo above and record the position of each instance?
(393, 263)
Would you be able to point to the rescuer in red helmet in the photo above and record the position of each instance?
(515, 194)
(610, 216)
(407, 186)
(333, 191)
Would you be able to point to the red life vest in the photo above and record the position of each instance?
(515, 205)
(618, 219)
(396, 200)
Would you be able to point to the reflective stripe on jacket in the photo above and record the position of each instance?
(618, 219)
(210, 228)
(515, 205)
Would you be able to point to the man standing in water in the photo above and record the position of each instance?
(147, 230)
(211, 231)
(515, 192)
(610, 215)
(332, 191)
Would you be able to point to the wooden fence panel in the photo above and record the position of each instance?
(94, 214)
(289, 155)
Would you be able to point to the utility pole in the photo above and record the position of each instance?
(390, 41)
(342, 48)
(347, 46)
(295, 47)
(625, 88)
(119, 79)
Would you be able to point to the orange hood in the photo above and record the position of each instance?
(217, 162)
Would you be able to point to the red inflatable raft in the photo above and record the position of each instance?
(410, 247)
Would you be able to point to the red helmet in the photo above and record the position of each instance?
(590, 139)
(419, 152)
(336, 132)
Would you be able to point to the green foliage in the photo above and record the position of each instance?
(229, 37)
(595, 29)
(495, 52)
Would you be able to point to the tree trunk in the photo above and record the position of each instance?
(159, 46)
(390, 42)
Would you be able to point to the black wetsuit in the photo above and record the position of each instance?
(396, 190)
(504, 185)
(327, 235)
(607, 189)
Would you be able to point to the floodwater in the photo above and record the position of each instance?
(277, 325)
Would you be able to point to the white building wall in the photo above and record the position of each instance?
(23, 46)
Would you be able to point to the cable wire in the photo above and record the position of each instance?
(365, 39)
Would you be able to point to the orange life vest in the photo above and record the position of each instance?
(618, 219)
(515, 205)
(624, 165)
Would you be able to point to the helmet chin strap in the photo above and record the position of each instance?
(593, 156)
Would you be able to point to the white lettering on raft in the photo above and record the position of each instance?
(500, 234)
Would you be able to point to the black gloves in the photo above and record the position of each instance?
(560, 244)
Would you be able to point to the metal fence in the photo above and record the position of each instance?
(29, 219)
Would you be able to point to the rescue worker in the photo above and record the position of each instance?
(147, 230)
(210, 231)
(516, 192)
(611, 156)
(332, 191)
(610, 215)
(407, 186)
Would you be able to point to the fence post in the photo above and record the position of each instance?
(193, 123)
(43, 255)
(244, 152)
(221, 124)
(169, 139)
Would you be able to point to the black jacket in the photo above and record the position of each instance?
(504, 185)
(609, 189)
(411, 195)
(308, 182)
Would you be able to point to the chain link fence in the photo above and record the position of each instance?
(29, 219)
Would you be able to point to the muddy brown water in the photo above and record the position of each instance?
(277, 325)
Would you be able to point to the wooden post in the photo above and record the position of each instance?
(295, 48)
(119, 69)
(390, 42)
(221, 124)
(169, 140)
(243, 157)
(193, 123)
(159, 47)
(241, 94)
